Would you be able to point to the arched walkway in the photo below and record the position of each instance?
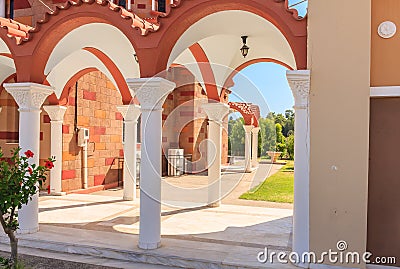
(67, 44)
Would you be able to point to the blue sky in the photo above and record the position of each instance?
(269, 79)
(266, 81)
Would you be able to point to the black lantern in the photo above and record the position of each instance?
(245, 48)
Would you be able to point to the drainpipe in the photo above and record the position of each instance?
(3, 8)
(84, 166)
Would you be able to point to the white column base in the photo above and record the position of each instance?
(128, 198)
(214, 205)
(149, 245)
(58, 193)
(28, 231)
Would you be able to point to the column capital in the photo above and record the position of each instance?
(29, 96)
(130, 112)
(216, 111)
(255, 130)
(151, 92)
(56, 113)
(299, 82)
(248, 128)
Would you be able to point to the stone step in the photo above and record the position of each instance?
(173, 253)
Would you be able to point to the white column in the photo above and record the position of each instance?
(215, 113)
(151, 93)
(299, 81)
(3, 8)
(247, 147)
(254, 146)
(131, 114)
(56, 114)
(29, 97)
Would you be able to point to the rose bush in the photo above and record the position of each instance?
(19, 181)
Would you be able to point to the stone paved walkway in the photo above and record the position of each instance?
(230, 236)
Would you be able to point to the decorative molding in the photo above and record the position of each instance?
(56, 113)
(151, 92)
(130, 112)
(29, 96)
(216, 111)
(299, 82)
(387, 29)
(243, 107)
(385, 91)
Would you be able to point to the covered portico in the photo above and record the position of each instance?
(77, 48)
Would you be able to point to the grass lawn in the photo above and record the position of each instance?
(277, 188)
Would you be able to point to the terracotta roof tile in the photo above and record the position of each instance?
(293, 11)
(21, 31)
(137, 22)
(15, 29)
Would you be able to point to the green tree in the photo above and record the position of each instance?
(236, 135)
(280, 140)
(19, 181)
(289, 123)
(290, 146)
(267, 135)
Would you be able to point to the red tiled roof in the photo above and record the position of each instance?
(293, 11)
(143, 25)
(243, 107)
(137, 22)
(21, 31)
(247, 110)
(15, 29)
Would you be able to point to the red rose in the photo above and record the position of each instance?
(29, 154)
(49, 164)
(30, 170)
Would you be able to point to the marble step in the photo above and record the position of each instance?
(174, 253)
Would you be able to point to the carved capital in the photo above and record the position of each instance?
(248, 128)
(151, 92)
(299, 82)
(255, 130)
(216, 111)
(28, 96)
(56, 113)
(130, 112)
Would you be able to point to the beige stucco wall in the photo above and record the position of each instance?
(339, 59)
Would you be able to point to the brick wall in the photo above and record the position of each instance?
(97, 101)
(192, 129)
